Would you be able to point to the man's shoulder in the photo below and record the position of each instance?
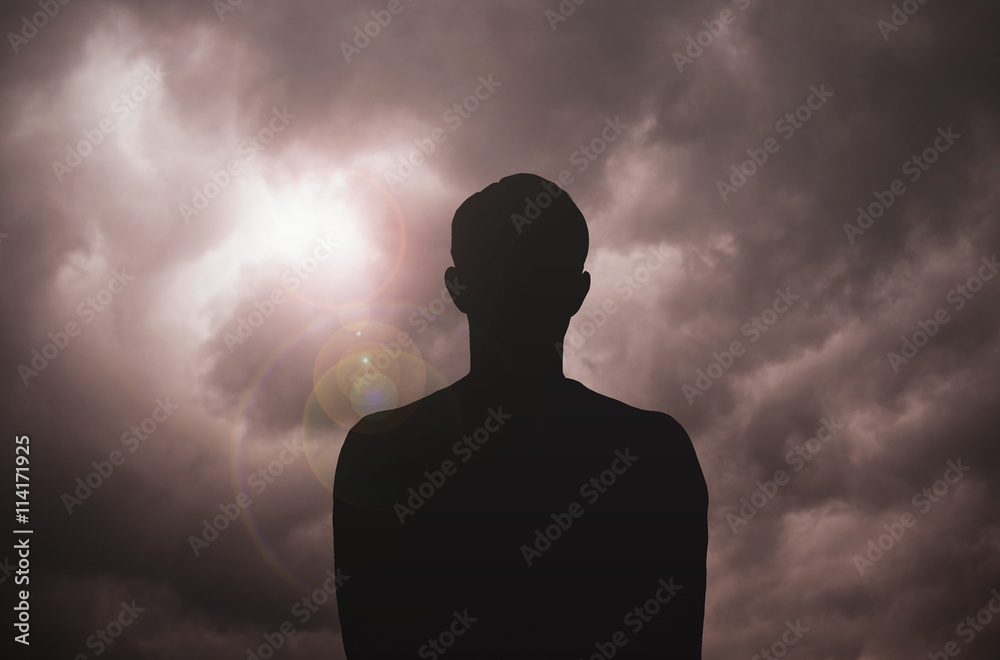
(594, 404)
(382, 443)
(396, 435)
(657, 434)
(424, 414)
(580, 412)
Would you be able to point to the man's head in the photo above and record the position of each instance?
(519, 246)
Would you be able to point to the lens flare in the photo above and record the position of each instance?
(354, 315)
(358, 374)
(239, 437)
(362, 368)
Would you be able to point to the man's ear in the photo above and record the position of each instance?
(580, 290)
(459, 292)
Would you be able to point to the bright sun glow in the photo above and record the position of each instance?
(286, 222)
(281, 226)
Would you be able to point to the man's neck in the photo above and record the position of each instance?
(519, 369)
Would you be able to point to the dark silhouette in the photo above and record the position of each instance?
(516, 513)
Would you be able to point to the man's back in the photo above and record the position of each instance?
(475, 523)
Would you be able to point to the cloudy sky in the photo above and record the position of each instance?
(204, 202)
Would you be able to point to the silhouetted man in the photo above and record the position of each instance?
(516, 513)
